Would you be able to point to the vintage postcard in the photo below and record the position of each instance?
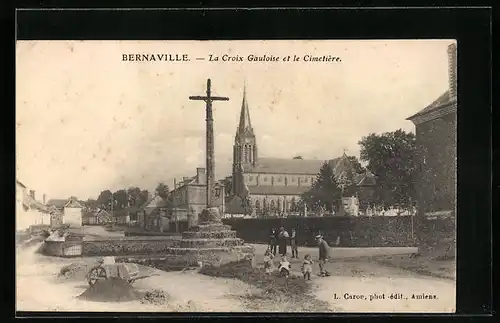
(236, 176)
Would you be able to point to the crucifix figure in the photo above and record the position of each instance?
(209, 140)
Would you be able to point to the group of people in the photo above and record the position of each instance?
(282, 239)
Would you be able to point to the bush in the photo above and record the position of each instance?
(353, 231)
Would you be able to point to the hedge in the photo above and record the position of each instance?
(353, 231)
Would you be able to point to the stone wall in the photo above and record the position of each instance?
(129, 246)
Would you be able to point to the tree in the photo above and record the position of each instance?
(121, 199)
(104, 199)
(91, 203)
(134, 196)
(162, 190)
(324, 192)
(391, 158)
(144, 197)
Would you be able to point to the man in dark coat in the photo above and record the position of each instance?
(294, 244)
(324, 253)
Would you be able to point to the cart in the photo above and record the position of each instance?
(128, 272)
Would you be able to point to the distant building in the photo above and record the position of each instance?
(99, 217)
(29, 211)
(436, 131)
(71, 209)
(275, 185)
(190, 196)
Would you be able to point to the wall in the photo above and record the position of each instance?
(129, 246)
(26, 218)
(436, 140)
(353, 231)
(72, 216)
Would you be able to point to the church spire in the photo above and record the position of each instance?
(245, 127)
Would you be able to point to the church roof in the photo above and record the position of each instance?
(277, 190)
(285, 166)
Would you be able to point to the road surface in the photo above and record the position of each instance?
(353, 282)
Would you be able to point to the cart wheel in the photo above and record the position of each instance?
(95, 274)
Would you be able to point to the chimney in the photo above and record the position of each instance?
(32, 194)
(452, 70)
(44, 197)
(201, 176)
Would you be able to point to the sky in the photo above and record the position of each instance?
(87, 121)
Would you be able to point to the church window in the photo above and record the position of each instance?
(245, 153)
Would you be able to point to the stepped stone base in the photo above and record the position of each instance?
(210, 243)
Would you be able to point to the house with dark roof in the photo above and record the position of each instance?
(276, 184)
(436, 131)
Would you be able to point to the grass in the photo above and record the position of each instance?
(273, 293)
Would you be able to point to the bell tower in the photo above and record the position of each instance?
(245, 144)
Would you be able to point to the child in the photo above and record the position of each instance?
(307, 267)
(285, 267)
(268, 261)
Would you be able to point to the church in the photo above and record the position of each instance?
(275, 185)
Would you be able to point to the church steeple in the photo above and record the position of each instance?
(245, 145)
(245, 126)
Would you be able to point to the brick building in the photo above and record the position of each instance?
(436, 128)
(189, 197)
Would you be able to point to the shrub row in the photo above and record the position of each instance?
(353, 231)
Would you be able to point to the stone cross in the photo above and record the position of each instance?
(209, 140)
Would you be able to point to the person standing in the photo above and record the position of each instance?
(273, 241)
(294, 244)
(282, 241)
(324, 253)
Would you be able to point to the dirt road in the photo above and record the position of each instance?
(353, 282)
(38, 289)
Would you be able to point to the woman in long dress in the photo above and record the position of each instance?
(283, 239)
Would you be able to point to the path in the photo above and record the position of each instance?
(39, 290)
(362, 277)
(370, 279)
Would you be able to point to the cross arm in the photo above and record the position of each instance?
(211, 98)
